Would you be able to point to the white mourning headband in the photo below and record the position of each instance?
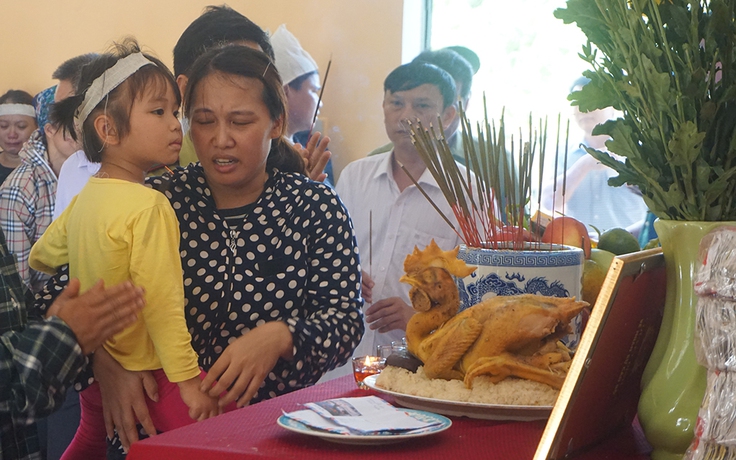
(108, 81)
(17, 109)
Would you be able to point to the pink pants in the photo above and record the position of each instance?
(89, 442)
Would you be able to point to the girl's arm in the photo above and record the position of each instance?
(155, 264)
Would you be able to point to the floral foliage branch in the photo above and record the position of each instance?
(669, 66)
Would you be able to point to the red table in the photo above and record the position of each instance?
(252, 432)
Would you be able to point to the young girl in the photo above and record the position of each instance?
(117, 229)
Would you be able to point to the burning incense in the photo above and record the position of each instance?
(490, 203)
(319, 99)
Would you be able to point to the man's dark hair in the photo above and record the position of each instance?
(452, 63)
(218, 25)
(71, 69)
(413, 74)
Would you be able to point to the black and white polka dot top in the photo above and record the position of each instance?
(294, 258)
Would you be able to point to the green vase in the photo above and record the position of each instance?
(673, 383)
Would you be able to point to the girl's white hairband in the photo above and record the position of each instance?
(18, 109)
(108, 81)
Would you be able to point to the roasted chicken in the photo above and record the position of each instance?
(499, 337)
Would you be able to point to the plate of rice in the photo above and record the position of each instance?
(509, 399)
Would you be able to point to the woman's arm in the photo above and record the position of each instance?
(123, 398)
(296, 349)
(331, 327)
(246, 362)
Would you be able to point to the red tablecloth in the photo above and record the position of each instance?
(252, 432)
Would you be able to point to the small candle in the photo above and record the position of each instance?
(363, 366)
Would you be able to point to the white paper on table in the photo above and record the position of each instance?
(368, 414)
(314, 420)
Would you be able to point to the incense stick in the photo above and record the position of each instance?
(319, 99)
(370, 243)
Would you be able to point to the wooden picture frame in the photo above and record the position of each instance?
(601, 392)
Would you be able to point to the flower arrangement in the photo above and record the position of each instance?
(670, 67)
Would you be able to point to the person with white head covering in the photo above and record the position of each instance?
(17, 122)
(300, 75)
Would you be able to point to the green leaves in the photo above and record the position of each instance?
(668, 65)
(685, 145)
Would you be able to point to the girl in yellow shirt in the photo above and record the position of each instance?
(117, 229)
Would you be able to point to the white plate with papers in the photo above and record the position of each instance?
(464, 409)
(442, 423)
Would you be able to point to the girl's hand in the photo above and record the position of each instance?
(201, 405)
(123, 400)
(315, 156)
(246, 362)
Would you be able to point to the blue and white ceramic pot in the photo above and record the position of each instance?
(552, 270)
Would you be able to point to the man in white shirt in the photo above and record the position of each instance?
(389, 212)
(75, 172)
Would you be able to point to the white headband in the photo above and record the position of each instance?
(17, 109)
(108, 81)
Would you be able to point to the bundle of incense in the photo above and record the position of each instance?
(491, 205)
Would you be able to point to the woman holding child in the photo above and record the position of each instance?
(271, 270)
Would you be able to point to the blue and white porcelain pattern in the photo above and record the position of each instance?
(546, 270)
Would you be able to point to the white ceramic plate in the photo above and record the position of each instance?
(464, 409)
(298, 427)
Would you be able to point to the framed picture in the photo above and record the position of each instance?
(601, 392)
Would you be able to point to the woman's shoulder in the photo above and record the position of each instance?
(301, 186)
(178, 179)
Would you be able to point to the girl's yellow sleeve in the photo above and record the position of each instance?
(156, 264)
(51, 251)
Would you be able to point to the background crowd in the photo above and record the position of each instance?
(285, 274)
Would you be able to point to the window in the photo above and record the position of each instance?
(529, 58)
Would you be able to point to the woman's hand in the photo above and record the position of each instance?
(246, 362)
(315, 156)
(99, 313)
(123, 400)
